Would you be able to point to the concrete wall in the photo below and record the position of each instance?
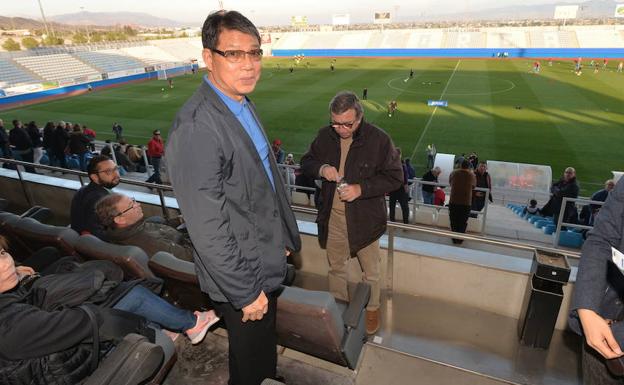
(494, 290)
(414, 273)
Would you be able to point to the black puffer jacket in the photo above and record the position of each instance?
(46, 340)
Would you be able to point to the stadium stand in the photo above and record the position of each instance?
(56, 67)
(553, 39)
(14, 76)
(465, 40)
(182, 49)
(291, 41)
(149, 54)
(425, 39)
(375, 40)
(500, 39)
(353, 40)
(321, 40)
(599, 38)
(109, 60)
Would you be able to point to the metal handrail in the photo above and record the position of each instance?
(306, 210)
(160, 188)
(450, 234)
(562, 209)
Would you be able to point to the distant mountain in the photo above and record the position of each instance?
(587, 9)
(116, 18)
(26, 23)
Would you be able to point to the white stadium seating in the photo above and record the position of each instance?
(57, 66)
(11, 75)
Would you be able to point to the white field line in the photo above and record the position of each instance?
(422, 135)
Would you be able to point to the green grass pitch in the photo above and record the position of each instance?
(497, 108)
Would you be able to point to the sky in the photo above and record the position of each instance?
(264, 12)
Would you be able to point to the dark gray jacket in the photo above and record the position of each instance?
(593, 290)
(239, 226)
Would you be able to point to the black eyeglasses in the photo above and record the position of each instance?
(237, 55)
(132, 204)
(109, 171)
(343, 124)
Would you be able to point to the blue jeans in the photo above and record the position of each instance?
(427, 197)
(141, 301)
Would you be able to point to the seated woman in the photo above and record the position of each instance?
(47, 337)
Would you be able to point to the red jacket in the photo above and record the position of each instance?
(155, 148)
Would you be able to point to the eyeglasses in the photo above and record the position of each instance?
(132, 205)
(109, 171)
(237, 55)
(343, 124)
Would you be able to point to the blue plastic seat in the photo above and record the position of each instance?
(571, 239)
(549, 229)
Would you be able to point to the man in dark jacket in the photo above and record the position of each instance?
(124, 224)
(104, 175)
(22, 144)
(60, 140)
(359, 165)
(597, 307)
(5, 150)
(566, 187)
(428, 189)
(232, 196)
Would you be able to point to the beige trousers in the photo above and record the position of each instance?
(338, 256)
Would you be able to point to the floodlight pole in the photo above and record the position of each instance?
(86, 27)
(45, 23)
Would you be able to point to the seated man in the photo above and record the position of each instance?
(46, 337)
(104, 175)
(123, 223)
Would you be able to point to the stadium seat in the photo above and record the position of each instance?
(299, 198)
(73, 162)
(312, 322)
(424, 216)
(541, 223)
(474, 224)
(571, 239)
(443, 219)
(132, 260)
(33, 235)
(38, 213)
(136, 361)
(181, 285)
(549, 229)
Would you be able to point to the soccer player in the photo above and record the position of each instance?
(620, 66)
(392, 106)
(536, 67)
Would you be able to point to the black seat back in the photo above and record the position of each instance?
(36, 235)
(131, 259)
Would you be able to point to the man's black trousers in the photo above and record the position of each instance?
(458, 216)
(253, 344)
